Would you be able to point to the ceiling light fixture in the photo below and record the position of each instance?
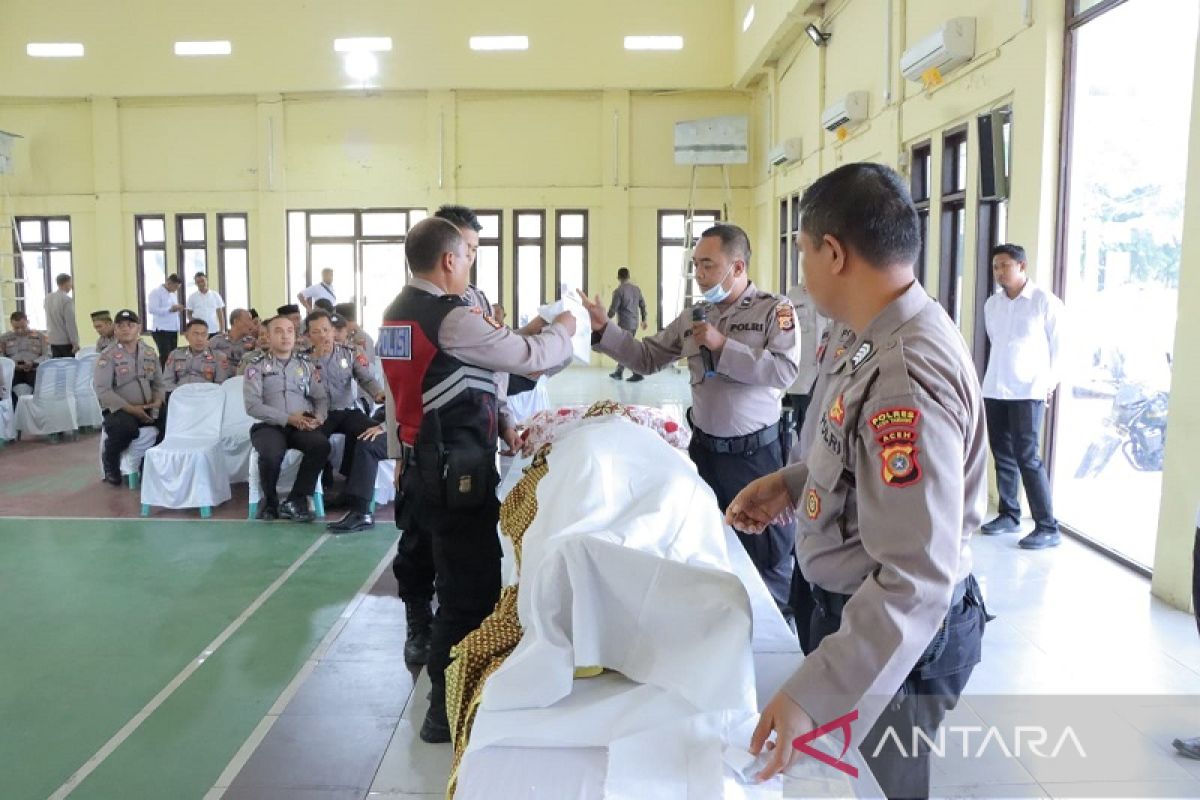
(653, 42)
(54, 49)
(370, 44)
(361, 65)
(214, 48)
(499, 42)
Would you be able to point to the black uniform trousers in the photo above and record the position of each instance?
(360, 489)
(120, 429)
(465, 553)
(1014, 433)
(349, 422)
(729, 473)
(272, 442)
(929, 691)
(61, 351)
(165, 342)
(25, 376)
(621, 367)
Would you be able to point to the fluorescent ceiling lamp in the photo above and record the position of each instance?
(748, 20)
(361, 65)
(216, 48)
(499, 42)
(54, 49)
(372, 44)
(653, 42)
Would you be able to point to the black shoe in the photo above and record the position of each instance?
(615, 376)
(634, 378)
(1001, 524)
(295, 510)
(353, 521)
(436, 728)
(1040, 540)
(419, 618)
(268, 512)
(113, 478)
(1189, 748)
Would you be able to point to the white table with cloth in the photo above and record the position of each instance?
(628, 565)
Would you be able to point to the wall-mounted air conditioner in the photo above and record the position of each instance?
(785, 152)
(847, 110)
(951, 45)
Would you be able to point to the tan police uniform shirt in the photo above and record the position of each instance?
(60, 319)
(233, 349)
(185, 366)
(342, 369)
(32, 346)
(128, 377)
(628, 306)
(276, 388)
(105, 342)
(757, 363)
(888, 498)
(833, 344)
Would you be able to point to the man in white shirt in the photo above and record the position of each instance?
(61, 328)
(1023, 324)
(164, 307)
(207, 305)
(318, 291)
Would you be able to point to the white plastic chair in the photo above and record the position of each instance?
(131, 459)
(235, 431)
(51, 408)
(87, 406)
(84, 352)
(188, 469)
(8, 427)
(287, 476)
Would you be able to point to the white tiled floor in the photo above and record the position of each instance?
(1069, 622)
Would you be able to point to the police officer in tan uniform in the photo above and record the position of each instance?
(103, 325)
(741, 358)
(241, 337)
(283, 390)
(196, 363)
(888, 496)
(129, 386)
(26, 347)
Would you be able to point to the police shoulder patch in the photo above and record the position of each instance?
(490, 321)
(785, 316)
(812, 504)
(900, 465)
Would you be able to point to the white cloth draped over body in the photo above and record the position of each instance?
(628, 565)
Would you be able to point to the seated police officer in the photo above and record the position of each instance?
(369, 449)
(440, 356)
(196, 363)
(343, 370)
(283, 389)
(129, 386)
(241, 337)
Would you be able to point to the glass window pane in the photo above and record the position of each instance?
(1124, 227)
(193, 229)
(33, 290)
(1082, 6)
(701, 223)
(529, 283)
(339, 258)
(529, 226)
(234, 228)
(60, 262)
(192, 260)
(570, 226)
(490, 224)
(961, 171)
(416, 215)
(297, 255)
(384, 223)
(236, 289)
(570, 268)
(30, 232)
(331, 224)
(383, 276)
(671, 226)
(671, 288)
(487, 271)
(60, 231)
(153, 231)
(154, 273)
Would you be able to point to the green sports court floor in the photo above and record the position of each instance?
(199, 624)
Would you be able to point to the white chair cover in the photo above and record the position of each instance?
(8, 427)
(235, 431)
(526, 404)
(51, 407)
(385, 482)
(287, 476)
(84, 352)
(131, 459)
(337, 449)
(188, 469)
(87, 406)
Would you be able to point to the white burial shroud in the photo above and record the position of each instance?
(628, 565)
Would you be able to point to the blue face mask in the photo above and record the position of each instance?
(718, 293)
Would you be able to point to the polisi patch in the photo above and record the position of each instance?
(897, 417)
(747, 326)
(900, 465)
(785, 316)
(395, 341)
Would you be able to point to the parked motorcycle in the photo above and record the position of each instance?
(1137, 426)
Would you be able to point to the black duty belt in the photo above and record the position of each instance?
(831, 603)
(733, 445)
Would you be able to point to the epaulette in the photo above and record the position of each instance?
(254, 356)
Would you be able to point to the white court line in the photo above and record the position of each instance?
(132, 725)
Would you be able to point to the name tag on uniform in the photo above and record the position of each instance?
(395, 341)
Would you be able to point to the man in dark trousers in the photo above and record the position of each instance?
(627, 304)
(440, 356)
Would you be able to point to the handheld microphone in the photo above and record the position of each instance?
(710, 371)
